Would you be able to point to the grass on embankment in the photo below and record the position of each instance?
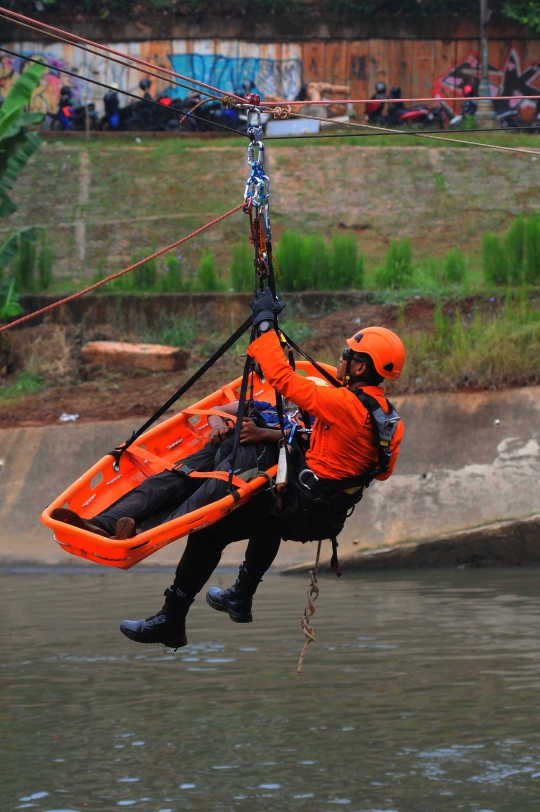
(474, 350)
(128, 197)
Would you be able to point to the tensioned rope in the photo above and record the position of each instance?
(283, 113)
(120, 273)
(279, 112)
(75, 39)
(145, 70)
(126, 92)
(512, 131)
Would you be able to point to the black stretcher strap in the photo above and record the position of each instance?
(117, 453)
(240, 418)
(329, 377)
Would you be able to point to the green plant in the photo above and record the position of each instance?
(26, 384)
(173, 331)
(494, 260)
(514, 246)
(10, 246)
(397, 269)
(45, 264)
(172, 278)
(17, 145)
(145, 276)
(344, 262)
(242, 267)
(321, 262)
(9, 301)
(532, 249)
(24, 266)
(207, 274)
(295, 258)
(454, 266)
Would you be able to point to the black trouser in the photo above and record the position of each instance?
(254, 521)
(203, 551)
(168, 495)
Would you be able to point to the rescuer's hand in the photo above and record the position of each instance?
(265, 310)
(251, 433)
(219, 433)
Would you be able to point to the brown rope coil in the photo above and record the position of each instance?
(312, 595)
(282, 112)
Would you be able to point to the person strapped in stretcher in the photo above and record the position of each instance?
(166, 496)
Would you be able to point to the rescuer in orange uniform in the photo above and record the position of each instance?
(346, 451)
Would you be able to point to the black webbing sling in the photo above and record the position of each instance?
(119, 450)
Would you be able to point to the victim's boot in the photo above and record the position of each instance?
(237, 599)
(168, 627)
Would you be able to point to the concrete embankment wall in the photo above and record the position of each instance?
(467, 459)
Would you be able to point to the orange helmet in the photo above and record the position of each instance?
(383, 346)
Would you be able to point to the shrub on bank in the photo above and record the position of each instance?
(513, 257)
(396, 270)
(477, 350)
(305, 262)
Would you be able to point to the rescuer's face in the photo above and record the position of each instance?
(357, 367)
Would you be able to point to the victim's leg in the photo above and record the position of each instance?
(249, 459)
(157, 493)
(204, 548)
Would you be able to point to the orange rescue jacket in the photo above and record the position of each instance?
(343, 443)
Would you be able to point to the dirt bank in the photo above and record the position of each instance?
(46, 375)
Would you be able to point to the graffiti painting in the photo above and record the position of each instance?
(509, 80)
(282, 78)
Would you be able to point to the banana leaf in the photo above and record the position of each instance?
(20, 94)
(9, 300)
(9, 247)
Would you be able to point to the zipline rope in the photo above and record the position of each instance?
(280, 114)
(512, 131)
(180, 113)
(75, 39)
(119, 273)
(113, 59)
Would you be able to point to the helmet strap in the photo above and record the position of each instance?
(349, 379)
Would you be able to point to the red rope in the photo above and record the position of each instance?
(118, 273)
(59, 31)
(51, 28)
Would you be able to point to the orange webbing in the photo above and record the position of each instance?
(140, 457)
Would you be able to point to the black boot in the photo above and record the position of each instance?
(237, 599)
(168, 627)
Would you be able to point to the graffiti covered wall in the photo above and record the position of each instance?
(420, 67)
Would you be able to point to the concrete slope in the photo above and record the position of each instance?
(467, 459)
(498, 544)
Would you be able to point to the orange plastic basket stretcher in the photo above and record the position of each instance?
(172, 440)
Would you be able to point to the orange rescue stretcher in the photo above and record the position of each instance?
(154, 451)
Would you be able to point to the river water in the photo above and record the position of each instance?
(420, 694)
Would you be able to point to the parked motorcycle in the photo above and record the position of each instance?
(423, 116)
(143, 115)
(375, 107)
(512, 119)
(468, 108)
(71, 116)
